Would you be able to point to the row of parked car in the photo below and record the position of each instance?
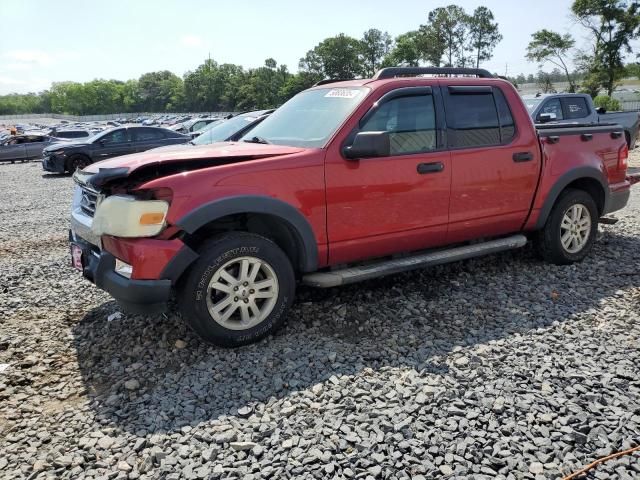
(68, 156)
(66, 146)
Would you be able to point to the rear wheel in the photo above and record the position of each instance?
(571, 228)
(238, 291)
(76, 162)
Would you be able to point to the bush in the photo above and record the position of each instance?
(606, 102)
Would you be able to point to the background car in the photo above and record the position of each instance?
(194, 125)
(67, 157)
(25, 147)
(230, 130)
(73, 134)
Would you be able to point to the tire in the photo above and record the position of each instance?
(579, 236)
(77, 161)
(204, 307)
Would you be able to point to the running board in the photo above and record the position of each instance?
(397, 265)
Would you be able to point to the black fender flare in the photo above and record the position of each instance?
(563, 182)
(297, 223)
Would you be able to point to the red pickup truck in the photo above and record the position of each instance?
(346, 181)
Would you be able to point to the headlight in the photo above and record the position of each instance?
(125, 216)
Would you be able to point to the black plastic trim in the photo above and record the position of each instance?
(617, 201)
(258, 204)
(561, 184)
(179, 264)
(392, 72)
(560, 130)
(469, 89)
(106, 175)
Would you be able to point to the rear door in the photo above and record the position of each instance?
(145, 138)
(35, 145)
(576, 109)
(495, 163)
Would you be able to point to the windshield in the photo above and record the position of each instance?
(531, 103)
(220, 131)
(310, 118)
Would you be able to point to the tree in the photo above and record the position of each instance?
(336, 57)
(450, 25)
(375, 46)
(544, 83)
(612, 24)
(406, 51)
(159, 89)
(483, 34)
(552, 47)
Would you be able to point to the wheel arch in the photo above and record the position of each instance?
(589, 179)
(263, 215)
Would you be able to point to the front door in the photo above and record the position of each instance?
(495, 166)
(378, 206)
(112, 144)
(13, 149)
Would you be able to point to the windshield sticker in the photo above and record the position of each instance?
(342, 93)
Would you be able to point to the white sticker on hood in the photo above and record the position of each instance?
(343, 93)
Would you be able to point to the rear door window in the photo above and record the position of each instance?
(575, 107)
(410, 122)
(146, 134)
(472, 117)
(118, 136)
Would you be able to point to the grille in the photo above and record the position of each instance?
(88, 201)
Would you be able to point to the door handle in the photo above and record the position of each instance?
(433, 167)
(522, 157)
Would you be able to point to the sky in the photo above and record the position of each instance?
(45, 41)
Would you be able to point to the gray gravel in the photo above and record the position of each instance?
(501, 367)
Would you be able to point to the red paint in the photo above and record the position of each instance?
(375, 207)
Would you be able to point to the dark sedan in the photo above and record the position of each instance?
(25, 147)
(67, 157)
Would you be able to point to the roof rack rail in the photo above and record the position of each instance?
(331, 80)
(392, 72)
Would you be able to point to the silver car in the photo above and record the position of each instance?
(25, 147)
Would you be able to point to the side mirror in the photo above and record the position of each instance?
(546, 117)
(601, 110)
(369, 144)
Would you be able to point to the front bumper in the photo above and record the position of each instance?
(53, 163)
(135, 296)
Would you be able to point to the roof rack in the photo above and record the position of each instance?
(331, 80)
(392, 72)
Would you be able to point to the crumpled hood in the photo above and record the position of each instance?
(185, 153)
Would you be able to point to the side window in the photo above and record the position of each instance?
(410, 122)
(146, 134)
(473, 117)
(553, 106)
(575, 107)
(119, 136)
(507, 125)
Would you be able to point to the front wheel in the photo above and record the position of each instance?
(238, 291)
(77, 162)
(571, 229)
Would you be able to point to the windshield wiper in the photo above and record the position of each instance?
(257, 140)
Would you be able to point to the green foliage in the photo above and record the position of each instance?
(552, 47)
(606, 102)
(338, 57)
(375, 46)
(483, 34)
(612, 25)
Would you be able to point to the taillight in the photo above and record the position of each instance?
(623, 157)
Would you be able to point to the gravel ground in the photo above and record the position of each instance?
(501, 367)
